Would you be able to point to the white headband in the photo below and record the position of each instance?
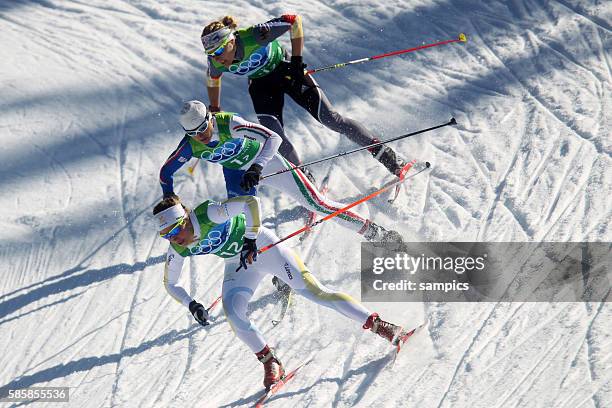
(213, 40)
(170, 216)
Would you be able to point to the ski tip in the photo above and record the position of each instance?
(462, 37)
(453, 121)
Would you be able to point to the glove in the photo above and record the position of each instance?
(248, 254)
(214, 109)
(296, 70)
(251, 177)
(199, 313)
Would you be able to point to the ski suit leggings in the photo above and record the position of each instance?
(280, 261)
(299, 187)
(268, 96)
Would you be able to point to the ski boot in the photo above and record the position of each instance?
(375, 232)
(310, 176)
(386, 330)
(388, 158)
(273, 368)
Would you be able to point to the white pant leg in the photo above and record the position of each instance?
(280, 261)
(297, 185)
(288, 267)
(238, 289)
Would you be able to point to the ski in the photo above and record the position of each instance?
(285, 295)
(276, 387)
(401, 176)
(403, 337)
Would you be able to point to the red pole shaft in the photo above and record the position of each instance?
(335, 213)
(462, 38)
(421, 47)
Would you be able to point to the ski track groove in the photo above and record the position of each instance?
(491, 338)
(443, 184)
(345, 371)
(140, 14)
(502, 182)
(52, 159)
(426, 200)
(532, 94)
(465, 353)
(571, 201)
(122, 154)
(589, 348)
(499, 189)
(603, 25)
(453, 216)
(604, 55)
(442, 208)
(590, 397)
(580, 350)
(600, 221)
(489, 184)
(536, 174)
(566, 55)
(554, 201)
(134, 303)
(533, 378)
(528, 336)
(191, 346)
(29, 369)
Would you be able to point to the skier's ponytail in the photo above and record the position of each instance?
(227, 21)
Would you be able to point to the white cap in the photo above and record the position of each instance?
(193, 114)
(170, 216)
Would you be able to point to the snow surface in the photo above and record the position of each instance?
(88, 112)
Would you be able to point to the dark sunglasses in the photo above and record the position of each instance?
(175, 230)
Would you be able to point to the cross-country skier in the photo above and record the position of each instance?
(244, 149)
(232, 230)
(256, 53)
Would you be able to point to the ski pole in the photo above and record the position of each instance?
(213, 304)
(344, 209)
(211, 307)
(461, 38)
(450, 122)
(191, 169)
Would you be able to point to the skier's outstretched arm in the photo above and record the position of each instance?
(172, 273)
(247, 205)
(213, 86)
(175, 161)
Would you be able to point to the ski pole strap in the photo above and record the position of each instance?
(452, 121)
(344, 209)
(461, 38)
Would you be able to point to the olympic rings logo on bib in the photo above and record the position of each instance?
(226, 151)
(212, 242)
(255, 61)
